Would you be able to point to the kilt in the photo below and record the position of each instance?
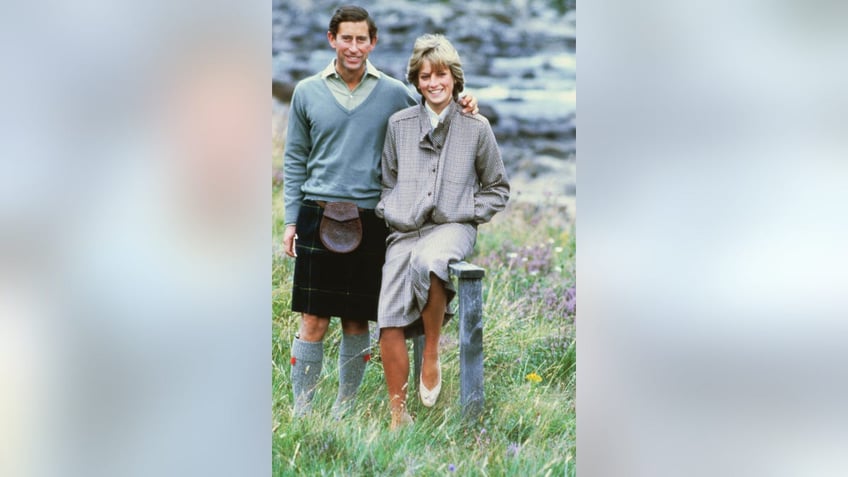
(410, 258)
(333, 284)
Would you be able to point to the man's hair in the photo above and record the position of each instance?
(441, 54)
(352, 13)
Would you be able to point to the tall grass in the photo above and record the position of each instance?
(527, 428)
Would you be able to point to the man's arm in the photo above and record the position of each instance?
(298, 148)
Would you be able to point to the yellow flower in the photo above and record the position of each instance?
(534, 377)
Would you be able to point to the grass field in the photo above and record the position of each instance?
(528, 426)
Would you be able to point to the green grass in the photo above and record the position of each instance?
(527, 428)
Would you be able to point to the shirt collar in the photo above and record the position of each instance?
(435, 119)
(330, 70)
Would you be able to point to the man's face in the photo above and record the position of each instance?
(352, 44)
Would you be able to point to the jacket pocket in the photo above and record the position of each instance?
(398, 208)
(456, 203)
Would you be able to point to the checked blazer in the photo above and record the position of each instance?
(428, 177)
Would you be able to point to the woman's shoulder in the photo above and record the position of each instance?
(473, 122)
(404, 115)
(476, 119)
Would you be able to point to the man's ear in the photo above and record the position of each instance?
(331, 38)
(374, 41)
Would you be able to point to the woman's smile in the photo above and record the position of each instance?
(436, 85)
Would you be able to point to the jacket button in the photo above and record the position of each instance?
(429, 194)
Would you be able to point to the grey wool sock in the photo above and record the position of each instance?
(306, 363)
(354, 354)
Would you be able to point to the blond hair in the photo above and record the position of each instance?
(437, 50)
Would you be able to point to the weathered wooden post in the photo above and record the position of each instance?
(470, 291)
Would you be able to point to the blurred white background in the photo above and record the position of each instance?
(711, 249)
(134, 226)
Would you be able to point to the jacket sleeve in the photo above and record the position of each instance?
(298, 148)
(389, 170)
(494, 185)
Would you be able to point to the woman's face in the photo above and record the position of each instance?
(436, 85)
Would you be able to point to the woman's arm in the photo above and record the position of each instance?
(494, 186)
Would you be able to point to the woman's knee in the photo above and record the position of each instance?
(436, 284)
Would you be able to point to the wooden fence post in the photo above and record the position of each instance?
(470, 279)
(470, 291)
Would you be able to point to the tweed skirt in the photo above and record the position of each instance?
(334, 284)
(410, 258)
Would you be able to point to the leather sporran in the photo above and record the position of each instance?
(341, 229)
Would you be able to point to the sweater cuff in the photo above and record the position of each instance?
(291, 213)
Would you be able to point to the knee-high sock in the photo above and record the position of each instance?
(306, 363)
(354, 354)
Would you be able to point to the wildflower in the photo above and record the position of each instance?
(524, 259)
(513, 449)
(482, 439)
(558, 249)
(511, 255)
(534, 273)
(550, 241)
(452, 468)
(558, 269)
(571, 300)
(534, 377)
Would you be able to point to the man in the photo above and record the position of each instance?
(337, 125)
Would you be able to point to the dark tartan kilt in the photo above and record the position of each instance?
(334, 284)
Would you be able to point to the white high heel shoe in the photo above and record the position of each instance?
(429, 396)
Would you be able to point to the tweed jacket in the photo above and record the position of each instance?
(461, 181)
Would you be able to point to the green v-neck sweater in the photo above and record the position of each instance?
(333, 154)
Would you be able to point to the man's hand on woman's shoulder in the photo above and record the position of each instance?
(469, 104)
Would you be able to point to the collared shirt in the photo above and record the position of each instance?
(347, 98)
(435, 119)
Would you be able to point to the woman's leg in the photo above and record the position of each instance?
(433, 316)
(443, 244)
(395, 358)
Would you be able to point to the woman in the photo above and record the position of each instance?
(442, 176)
